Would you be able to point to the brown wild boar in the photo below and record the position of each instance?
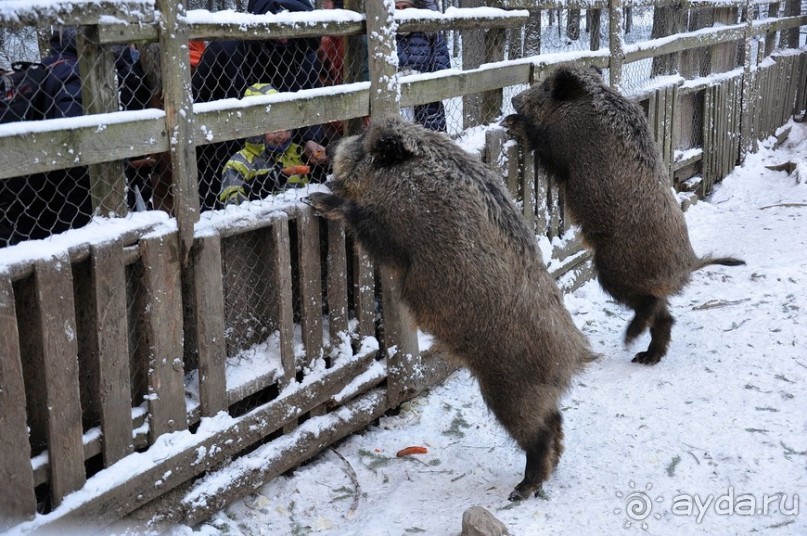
(471, 274)
(596, 146)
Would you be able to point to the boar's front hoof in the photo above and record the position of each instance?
(646, 358)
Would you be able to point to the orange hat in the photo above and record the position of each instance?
(196, 48)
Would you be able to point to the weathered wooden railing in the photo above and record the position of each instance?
(118, 361)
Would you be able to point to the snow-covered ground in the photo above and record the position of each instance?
(713, 440)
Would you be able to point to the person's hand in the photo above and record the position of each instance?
(315, 153)
(234, 196)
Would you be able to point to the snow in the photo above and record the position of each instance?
(715, 432)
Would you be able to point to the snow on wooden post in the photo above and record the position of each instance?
(615, 42)
(17, 491)
(99, 94)
(400, 333)
(178, 103)
(382, 59)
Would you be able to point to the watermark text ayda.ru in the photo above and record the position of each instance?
(640, 507)
(731, 503)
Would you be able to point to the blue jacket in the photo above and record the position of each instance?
(425, 53)
(63, 87)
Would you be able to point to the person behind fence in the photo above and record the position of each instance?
(228, 68)
(39, 205)
(269, 163)
(420, 52)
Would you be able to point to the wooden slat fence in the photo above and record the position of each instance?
(127, 352)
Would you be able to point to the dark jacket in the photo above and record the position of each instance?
(227, 68)
(425, 53)
(37, 206)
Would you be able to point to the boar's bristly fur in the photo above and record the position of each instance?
(470, 271)
(597, 147)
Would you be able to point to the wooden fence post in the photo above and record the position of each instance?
(17, 491)
(473, 55)
(110, 350)
(177, 96)
(615, 43)
(400, 333)
(748, 86)
(163, 318)
(494, 51)
(207, 298)
(99, 94)
(59, 367)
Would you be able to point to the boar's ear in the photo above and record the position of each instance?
(390, 147)
(566, 86)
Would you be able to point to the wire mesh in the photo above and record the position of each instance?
(42, 80)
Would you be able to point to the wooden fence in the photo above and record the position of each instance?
(116, 388)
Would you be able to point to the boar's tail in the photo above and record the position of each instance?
(724, 261)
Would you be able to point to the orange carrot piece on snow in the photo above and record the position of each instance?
(408, 451)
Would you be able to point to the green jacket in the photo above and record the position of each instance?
(254, 172)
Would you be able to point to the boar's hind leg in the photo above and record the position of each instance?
(644, 307)
(660, 332)
(542, 457)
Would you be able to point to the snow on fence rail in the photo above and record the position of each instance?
(201, 337)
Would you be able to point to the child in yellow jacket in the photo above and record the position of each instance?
(268, 163)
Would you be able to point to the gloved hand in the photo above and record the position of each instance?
(234, 195)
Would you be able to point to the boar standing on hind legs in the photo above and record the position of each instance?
(470, 273)
(596, 146)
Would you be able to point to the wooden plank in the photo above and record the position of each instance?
(56, 144)
(616, 43)
(527, 184)
(99, 94)
(177, 102)
(280, 251)
(111, 349)
(57, 325)
(310, 282)
(115, 500)
(400, 340)
(44, 14)
(513, 171)
(163, 323)
(473, 55)
(364, 292)
(17, 492)
(383, 73)
(295, 450)
(670, 128)
(708, 117)
(337, 281)
(494, 52)
(541, 195)
(208, 306)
